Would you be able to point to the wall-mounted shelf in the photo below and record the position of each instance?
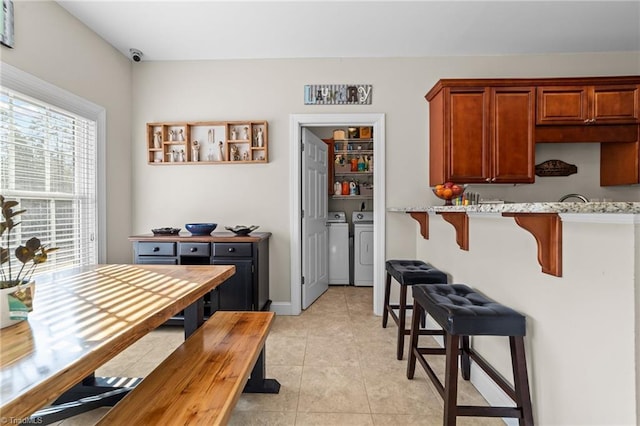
(207, 142)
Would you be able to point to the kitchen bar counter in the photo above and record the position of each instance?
(544, 207)
(582, 309)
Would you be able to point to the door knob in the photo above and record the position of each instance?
(231, 249)
(194, 249)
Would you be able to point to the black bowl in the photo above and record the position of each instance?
(241, 229)
(200, 228)
(166, 231)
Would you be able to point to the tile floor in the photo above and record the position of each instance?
(336, 365)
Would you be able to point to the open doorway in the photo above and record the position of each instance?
(298, 123)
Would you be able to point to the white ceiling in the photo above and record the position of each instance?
(196, 30)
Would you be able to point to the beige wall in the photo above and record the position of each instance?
(53, 46)
(273, 89)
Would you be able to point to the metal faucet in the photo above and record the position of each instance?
(580, 197)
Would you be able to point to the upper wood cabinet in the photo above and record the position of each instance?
(482, 135)
(588, 105)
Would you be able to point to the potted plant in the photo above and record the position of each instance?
(16, 285)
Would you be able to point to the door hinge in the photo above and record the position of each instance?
(253, 268)
(301, 146)
(303, 279)
(302, 213)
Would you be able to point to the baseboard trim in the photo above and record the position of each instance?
(281, 308)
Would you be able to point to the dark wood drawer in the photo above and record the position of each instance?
(156, 249)
(194, 249)
(232, 250)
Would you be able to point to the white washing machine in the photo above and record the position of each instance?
(338, 248)
(362, 248)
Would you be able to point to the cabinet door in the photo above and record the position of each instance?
(512, 134)
(562, 105)
(235, 294)
(616, 105)
(466, 135)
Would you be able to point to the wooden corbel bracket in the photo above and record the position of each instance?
(460, 221)
(423, 220)
(547, 230)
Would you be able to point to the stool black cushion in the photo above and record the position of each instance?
(409, 272)
(462, 311)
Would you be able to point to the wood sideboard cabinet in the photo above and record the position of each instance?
(246, 290)
(485, 130)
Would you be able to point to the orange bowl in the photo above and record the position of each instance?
(448, 194)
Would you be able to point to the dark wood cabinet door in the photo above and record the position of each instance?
(588, 105)
(616, 104)
(562, 105)
(512, 134)
(235, 294)
(467, 136)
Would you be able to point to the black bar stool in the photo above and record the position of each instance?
(462, 312)
(406, 273)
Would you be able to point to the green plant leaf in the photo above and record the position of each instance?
(4, 255)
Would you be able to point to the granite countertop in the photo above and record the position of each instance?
(545, 207)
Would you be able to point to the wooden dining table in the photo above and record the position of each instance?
(82, 318)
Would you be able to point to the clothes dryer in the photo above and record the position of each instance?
(338, 248)
(363, 248)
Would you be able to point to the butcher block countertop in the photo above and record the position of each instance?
(215, 237)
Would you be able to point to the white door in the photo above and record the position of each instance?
(315, 249)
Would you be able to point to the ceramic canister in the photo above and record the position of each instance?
(337, 188)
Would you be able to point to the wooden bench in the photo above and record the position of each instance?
(201, 381)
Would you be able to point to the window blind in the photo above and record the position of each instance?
(48, 164)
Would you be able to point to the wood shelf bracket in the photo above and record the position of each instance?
(460, 221)
(423, 220)
(546, 228)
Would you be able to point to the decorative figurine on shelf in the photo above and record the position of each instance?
(210, 136)
(235, 153)
(245, 134)
(195, 152)
(171, 155)
(181, 133)
(210, 156)
(245, 156)
(259, 138)
(233, 134)
(172, 135)
(157, 139)
(220, 152)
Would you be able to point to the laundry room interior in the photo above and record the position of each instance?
(350, 203)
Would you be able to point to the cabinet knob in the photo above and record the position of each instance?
(156, 249)
(586, 120)
(194, 249)
(231, 249)
(493, 179)
(487, 180)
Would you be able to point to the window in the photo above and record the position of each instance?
(49, 163)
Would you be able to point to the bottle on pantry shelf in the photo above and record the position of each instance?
(354, 164)
(337, 188)
(345, 188)
(353, 188)
(361, 166)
